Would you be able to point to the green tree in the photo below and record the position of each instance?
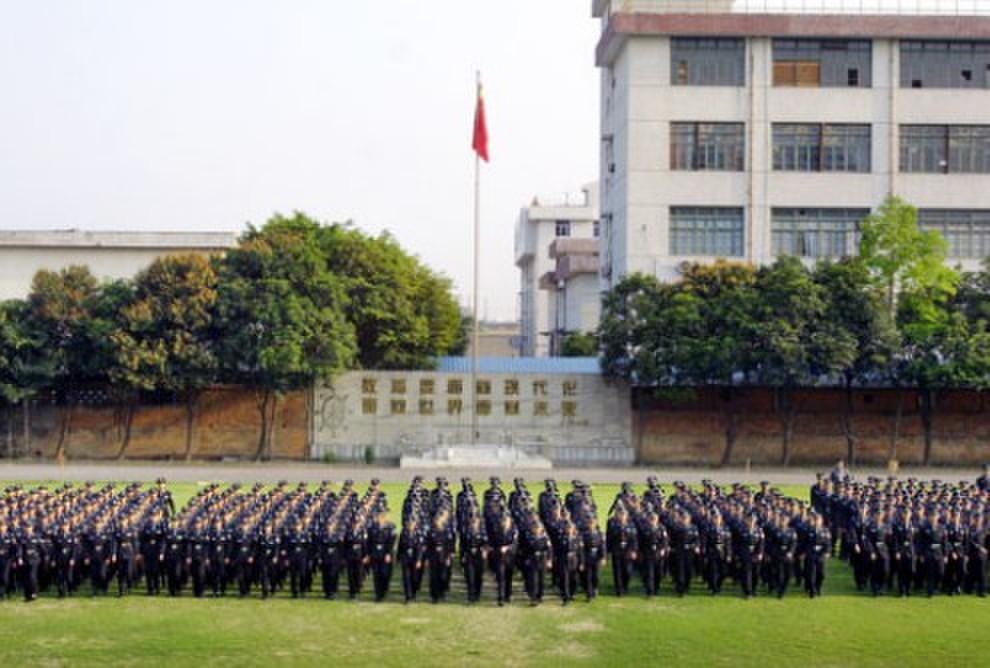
(404, 314)
(908, 264)
(973, 296)
(719, 346)
(59, 312)
(902, 257)
(855, 311)
(579, 344)
(949, 354)
(120, 327)
(165, 342)
(25, 366)
(795, 345)
(281, 317)
(627, 320)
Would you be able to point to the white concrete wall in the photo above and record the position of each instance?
(19, 265)
(636, 117)
(586, 420)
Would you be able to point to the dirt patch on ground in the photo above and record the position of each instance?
(587, 626)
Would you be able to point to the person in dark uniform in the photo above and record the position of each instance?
(221, 549)
(905, 538)
(784, 549)
(877, 535)
(29, 561)
(568, 557)
(357, 555)
(818, 550)
(983, 482)
(126, 542)
(412, 557)
(298, 542)
(441, 544)
(684, 548)
(956, 541)
(332, 549)
(717, 541)
(381, 541)
(504, 539)
(101, 553)
(474, 554)
(269, 548)
(932, 542)
(622, 542)
(153, 541)
(67, 555)
(9, 555)
(198, 558)
(653, 546)
(749, 555)
(979, 544)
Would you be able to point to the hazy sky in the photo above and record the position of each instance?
(207, 114)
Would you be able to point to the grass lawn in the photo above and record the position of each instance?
(843, 628)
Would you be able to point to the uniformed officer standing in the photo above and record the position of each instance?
(381, 541)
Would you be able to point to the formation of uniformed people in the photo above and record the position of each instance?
(907, 535)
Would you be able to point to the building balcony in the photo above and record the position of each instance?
(566, 246)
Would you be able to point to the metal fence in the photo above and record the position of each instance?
(864, 7)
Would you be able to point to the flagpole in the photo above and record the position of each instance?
(477, 282)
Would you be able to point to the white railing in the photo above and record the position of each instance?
(864, 7)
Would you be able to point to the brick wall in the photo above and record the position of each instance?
(227, 425)
(692, 430)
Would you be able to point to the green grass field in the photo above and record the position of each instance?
(844, 628)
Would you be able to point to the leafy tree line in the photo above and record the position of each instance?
(294, 303)
(894, 316)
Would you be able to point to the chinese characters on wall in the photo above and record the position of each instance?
(431, 400)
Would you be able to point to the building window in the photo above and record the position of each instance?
(484, 408)
(398, 386)
(369, 406)
(811, 147)
(816, 233)
(426, 406)
(427, 386)
(512, 388)
(569, 409)
(541, 409)
(707, 61)
(539, 388)
(596, 229)
(969, 149)
(454, 406)
(484, 387)
(944, 64)
(967, 231)
(455, 386)
(512, 408)
(715, 231)
(570, 388)
(945, 149)
(563, 228)
(398, 406)
(827, 63)
(707, 146)
(368, 385)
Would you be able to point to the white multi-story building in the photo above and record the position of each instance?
(757, 128)
(546, 298)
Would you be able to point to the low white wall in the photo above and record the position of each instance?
(572, 419)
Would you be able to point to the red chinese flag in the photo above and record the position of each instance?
(480, 141)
